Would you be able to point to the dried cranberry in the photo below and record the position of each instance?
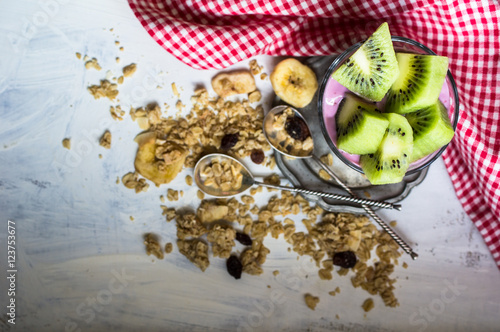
(234, 266)
(244, 239)
(228, 141)
(297, 128)
(257, 156)
(345, 259)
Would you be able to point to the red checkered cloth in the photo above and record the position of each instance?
(215, 34)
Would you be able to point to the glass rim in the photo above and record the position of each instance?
(340, 59)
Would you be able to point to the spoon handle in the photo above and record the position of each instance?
(352, 199)
(407, 249)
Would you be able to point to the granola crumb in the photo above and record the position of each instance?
(393, 223)
(105, 90)
(129, 70)
(255, 68)
(92, 64)
(162, 198)
(132, 181)
(117, 59)
(66, 143)
(168, 248)
(78, 55)
(368, 305)
(172, 195)
(175, 91)
(153, 246)
(132, 218)
(200, 194)
(116, 112)
(276, 272)
(405, 266)
(263, 76)
(196, 251)
(311, 301)
(122, 49)
(100, 156)
(189, 180)
(105, 140)
(120, 80)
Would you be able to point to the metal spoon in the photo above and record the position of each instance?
(272, 135)
(247, 180)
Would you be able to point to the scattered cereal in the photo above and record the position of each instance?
(175, 90)
(153, 246)
(66, 143)
(368, 305)
(196, 251)
(92, 63)
(200, 194)
(104, 90)
(255, 69)
(116, 112)
(311, 301)
(105, 140)
(172, 195)
(132, 181)
(129, 70)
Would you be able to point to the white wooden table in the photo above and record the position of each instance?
(80, 259)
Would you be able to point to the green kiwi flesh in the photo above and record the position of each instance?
(419, 83)
(360, 126)
(372, 69)
(431, 130)
(392, 158)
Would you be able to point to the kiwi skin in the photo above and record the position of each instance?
(392, 158)
(431, 130)
(372, 69)
(419, 83)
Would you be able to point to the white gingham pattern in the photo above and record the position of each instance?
(218, 33)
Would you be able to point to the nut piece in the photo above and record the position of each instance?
(232, 83)
(66, 143)
(368, 305)
(105, 90)
(92, 63)
(153, 245)
(311, 301)
(105, 140)
(129, 70)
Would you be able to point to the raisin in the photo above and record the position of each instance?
(257, 156)
(228, 141)
(345, 259)
(297, 128)
(234, 266)
(243, 239)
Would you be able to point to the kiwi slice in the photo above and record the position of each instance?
(372, 69)
(392, 158)
(360, 126)
(431, 129)
(419, 83)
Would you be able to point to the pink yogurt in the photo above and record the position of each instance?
(333, 94)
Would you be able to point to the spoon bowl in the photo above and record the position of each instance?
(276, 133)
